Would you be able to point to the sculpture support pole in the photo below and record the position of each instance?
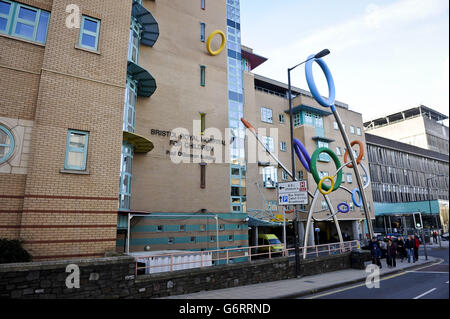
(355, 169)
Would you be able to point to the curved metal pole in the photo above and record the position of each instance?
(308, 224)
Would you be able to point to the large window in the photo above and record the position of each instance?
(6, 144)
(23, 21)
(135, 38)
(76, 150)
(129, 114)
(324, 157)
(89, 33)
(266, 115)
(270, 178)
(126, 177)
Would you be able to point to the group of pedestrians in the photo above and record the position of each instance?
(403, 249)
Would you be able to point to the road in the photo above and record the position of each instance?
(428, 282)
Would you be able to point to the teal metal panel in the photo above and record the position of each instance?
(406, 208)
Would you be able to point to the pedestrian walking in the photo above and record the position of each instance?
(409, 245)
(375, 251)
(435, 237)
(416, 248)
(401, 249)
(391, 254)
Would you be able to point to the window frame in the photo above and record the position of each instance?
(281, 118)
(283, 146)
(13, 18)
(76, 150)
(264, 113)
(87, 32)
(11, 145)
(202, 32)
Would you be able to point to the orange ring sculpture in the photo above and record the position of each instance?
(360, 155)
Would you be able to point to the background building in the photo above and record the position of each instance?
(419, 126)
(407, 179)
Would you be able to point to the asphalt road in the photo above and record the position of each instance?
(429, 282)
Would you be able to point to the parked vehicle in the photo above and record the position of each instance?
(444, 236)
(272, 240)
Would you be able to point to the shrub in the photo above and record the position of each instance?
(11, 251)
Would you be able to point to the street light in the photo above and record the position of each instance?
(429, 205)
(291, 123)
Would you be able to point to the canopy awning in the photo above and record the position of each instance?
(146, 83)
(150, 29)
(140, 143)
(256, 222)
(303, 107)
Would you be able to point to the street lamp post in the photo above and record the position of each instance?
(291, 124)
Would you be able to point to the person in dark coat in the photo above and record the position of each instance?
(375, 251)
(391, 254)
(401, 249)
(409, 245)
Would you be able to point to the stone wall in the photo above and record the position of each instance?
(114, 277)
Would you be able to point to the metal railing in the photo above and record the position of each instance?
(190, 259)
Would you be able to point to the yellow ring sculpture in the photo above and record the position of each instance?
(222, 45)
(321, 182)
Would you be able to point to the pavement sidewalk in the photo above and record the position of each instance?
(294, 288)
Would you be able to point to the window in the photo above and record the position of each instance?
(182, 227)
(349, 178)
(352, 129)
(202, 123)
(270, 177)
(324, 204)
(192, 239)
(202, 31)
(300, 175)
(266, 115)
(338, 150)
(281, 118)
(159, 228)
(203, 4)
(171, 240)
(358, 131)
(322, 174)
(23, 21)
(126, 163)
(202, 75)
(297, 119)
(268, 141)
(6, 144)
(89, 33)
(212, 238)
(284, 175)
(283, 146)
(76, 150)
(129, 115)
(202, 227)
(133, 41)
(230, 237)
(221, 227)
(335, 126)
(324, 157)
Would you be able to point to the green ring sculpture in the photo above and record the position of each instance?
(313, 167)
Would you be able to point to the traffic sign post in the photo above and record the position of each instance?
(293, 193)
(419, 225)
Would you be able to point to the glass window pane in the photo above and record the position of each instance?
(24, 30)
(41, 34)
(4, 8)
(27, 14)
(75, 159)
(90, 25)
(77, 140)
(3, 23)
(88, 40)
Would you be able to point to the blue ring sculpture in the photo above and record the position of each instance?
(302, 154)
(347, 207)
(312, 84)
(354, 192)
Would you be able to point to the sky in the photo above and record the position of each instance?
(386, 55)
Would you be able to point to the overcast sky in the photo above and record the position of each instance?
(386, 55)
